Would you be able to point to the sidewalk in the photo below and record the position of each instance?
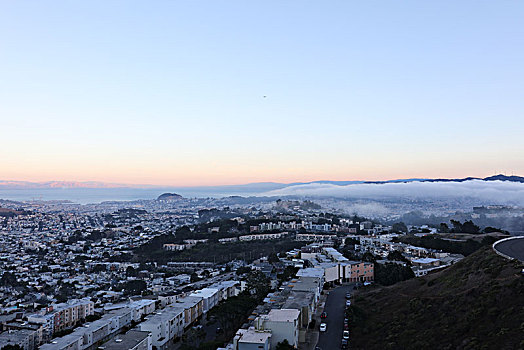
(313, 334)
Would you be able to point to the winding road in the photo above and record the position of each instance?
(511, 247)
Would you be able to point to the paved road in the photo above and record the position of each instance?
(512, 247)
(335, 306)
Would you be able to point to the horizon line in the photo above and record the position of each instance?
(142, 185)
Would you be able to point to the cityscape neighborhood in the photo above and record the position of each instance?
(83, 277)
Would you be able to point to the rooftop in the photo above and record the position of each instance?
(253, 337)
(127, 341)
(283, 315)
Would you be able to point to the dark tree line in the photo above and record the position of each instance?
(391, 273)
(456, 247)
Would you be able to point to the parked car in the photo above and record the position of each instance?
(323, 315)
(344, 344)
(348, 303)
(348, 295)
(323, 327)
(345, 335)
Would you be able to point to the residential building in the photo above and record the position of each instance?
(282, 323)
(251, 339)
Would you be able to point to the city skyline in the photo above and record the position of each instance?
(171, 94)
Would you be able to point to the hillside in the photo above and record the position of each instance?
(169, 197)
(476, 304)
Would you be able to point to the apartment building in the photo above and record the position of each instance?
(25, 338)
(164, 326)
(63, 316)
(209, 298)
(193, 308)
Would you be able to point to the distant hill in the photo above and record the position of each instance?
(58, 184)
(476, 304)
(243, 189)
(500, 177)
(5, 212)
(169, 197)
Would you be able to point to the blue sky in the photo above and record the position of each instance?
(171, 92)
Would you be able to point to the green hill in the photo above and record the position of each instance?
(476, 304)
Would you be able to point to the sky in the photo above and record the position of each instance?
(189, 93)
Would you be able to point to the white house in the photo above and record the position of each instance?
(251, 339)
(209, 296)
(282, 323)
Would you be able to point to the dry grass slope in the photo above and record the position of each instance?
(476, 304)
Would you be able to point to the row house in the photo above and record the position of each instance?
(226, 289)
(165, 326)
(193, 308)
(262, 236)
(209, 298)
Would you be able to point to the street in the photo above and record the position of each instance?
(335, 306)
(513, 247)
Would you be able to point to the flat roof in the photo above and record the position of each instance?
(127, 341)
(311, 272)
(204, 293)
(252, 336)
(283, 315)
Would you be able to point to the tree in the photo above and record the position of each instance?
(12, 347)
(443, 228)
(400, 227)
(131, 272)
(242, 270)
(257, 284)
(99, 268)
(289, 271)
(369, 257)
(192, 338)
(284, 345)
(8, 280)
(457, 226)
(391, 273)
(194, 277)
(397, 256)
(490, 229)
(134, 287)
(351, 241)
(273, 258)
(470, 227)
(231, 313)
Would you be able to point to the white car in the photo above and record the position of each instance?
(345, 335)
(323, 327)
(348, 303)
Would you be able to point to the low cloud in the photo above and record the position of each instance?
(497, 192)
